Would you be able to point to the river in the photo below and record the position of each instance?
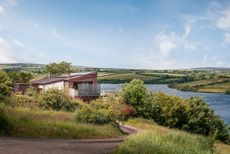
(219, 102)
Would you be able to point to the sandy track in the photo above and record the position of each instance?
(9, 145)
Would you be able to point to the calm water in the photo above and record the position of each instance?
(219, 102)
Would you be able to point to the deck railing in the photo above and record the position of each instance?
(87, 90)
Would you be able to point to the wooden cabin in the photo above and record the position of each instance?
(76, 85)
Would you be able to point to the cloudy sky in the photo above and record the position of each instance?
(155, 34)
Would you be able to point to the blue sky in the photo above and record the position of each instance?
(151, 34)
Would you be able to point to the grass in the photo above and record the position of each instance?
(52, 124)
(154, 139)
(209, 85)
(127, 76)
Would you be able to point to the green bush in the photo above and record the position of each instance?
(202, 120)
(55, 99)
(104, 110)
(192, 115)
(5, 85)
(135, 93)
(5, 124)
(17, 100)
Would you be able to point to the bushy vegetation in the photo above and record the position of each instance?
(192, 115)
(5, 85)
(54, 99)
(51, 99)
(104, 110)
(20, 77)
(59, 68)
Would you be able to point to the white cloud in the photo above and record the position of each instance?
(153, 61)
(19, 43)
(165, 43)
(56, 34)
(227, 37)
(2, 10)
(36, 24)
(5, 50)
(223, 21)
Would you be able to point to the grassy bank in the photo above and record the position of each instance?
(207, 85)
(124, 77)
(51, 124)
(161, 140)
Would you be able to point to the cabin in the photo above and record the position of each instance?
(76, 85)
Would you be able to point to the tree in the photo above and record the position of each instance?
(20, 77)
(135, 93)
(5, 85)
(59, 68)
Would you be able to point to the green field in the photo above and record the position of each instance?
(209, 85)
(121, 77)
(128, 76)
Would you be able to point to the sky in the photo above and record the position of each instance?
(143, 34)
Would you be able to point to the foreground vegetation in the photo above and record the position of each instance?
(156, 139)
(24, 122)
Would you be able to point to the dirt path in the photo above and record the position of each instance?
(12, 145)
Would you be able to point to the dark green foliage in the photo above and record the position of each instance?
(59, 68)
(135, 94)
(20, 77)
(5, 85)
(192, 115)
(104, 111)
(5, 125)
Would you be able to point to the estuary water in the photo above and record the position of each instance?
(219, 102)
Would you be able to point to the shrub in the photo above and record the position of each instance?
(88, 114)
(135, 93)
(55, 99)
(202, 120)
(5, 85)
(5, 125)
(192, 115)
(104, 110)
(17, 100)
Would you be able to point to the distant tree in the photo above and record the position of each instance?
(59, 68)
(20, 77)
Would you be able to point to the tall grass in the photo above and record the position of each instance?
(176, 142)
(52, 124)
(155, 139)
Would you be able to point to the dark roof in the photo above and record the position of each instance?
(46, 81)
(64, 77)
(74, 74)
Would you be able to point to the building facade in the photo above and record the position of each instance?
(76, 85)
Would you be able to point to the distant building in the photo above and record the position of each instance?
(76, 85)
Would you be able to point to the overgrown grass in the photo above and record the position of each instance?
(154, 139)
(51, 124)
